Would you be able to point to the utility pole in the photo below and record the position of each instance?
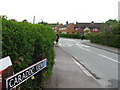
(119, 10)
(34, 20)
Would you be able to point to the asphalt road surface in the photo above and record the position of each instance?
(102, 64)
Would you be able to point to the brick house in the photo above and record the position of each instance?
(94, 27)
(56, 27)
(67, 28)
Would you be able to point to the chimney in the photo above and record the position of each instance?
(66, 22)
(57, 23)
(76, 22)
(92, 22)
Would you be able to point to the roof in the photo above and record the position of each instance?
(55, 25)
(66, 25)
(89, 25)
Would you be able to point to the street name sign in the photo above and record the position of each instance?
(25, 74)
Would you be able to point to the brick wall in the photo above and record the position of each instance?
(71, 29)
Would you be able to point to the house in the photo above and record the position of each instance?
(93, 27)
(67, 28)
(56, 27)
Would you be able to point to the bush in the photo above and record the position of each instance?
(76, 36)
(27, 44)
(106, 39)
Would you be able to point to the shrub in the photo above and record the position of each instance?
(76, 36)
(106, 39)
(27, 44)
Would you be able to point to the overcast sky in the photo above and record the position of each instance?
(53, 11)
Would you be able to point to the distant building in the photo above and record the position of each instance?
(56, 27)
(94, 27)
(67, 28)
(72, 28)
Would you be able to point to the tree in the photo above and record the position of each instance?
(108, 26)
(13, 20)
(4, 16)
(86, 30)
(25, 20)
(44, 23)
(116, 29)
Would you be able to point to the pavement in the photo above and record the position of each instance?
(67, 73)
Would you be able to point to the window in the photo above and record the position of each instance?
(63, 32)
(55, 30)
(65, 28)
(62, 28)
(77, 28)
(95, 29)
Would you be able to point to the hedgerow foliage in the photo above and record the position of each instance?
(69, 35)
(110, 34)
(75, 36)
(27, 44)
(106, 39)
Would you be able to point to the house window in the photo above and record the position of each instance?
(95, 29)
(77, 28)
(63, 32)
(65, 28)
(60, 29)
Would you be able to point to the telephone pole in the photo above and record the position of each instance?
(34, 20)
(119, 10)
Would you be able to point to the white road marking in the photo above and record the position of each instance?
(84, 49)
(109, 58)
(61, 44)
(66, 45)
(69, 45)
(72, 40)
(80, 46)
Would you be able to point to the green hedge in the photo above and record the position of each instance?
(106, 39)
(76, 36)
(27, 44)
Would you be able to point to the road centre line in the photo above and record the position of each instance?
(108, 58)
(82, 47)
(72, 40)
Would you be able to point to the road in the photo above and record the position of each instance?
(102, 64)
